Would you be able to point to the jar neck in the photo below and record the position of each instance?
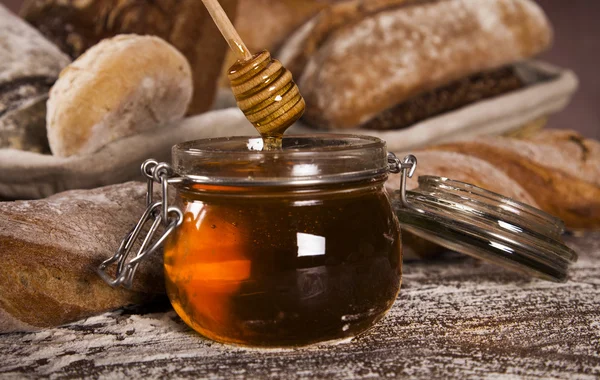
(243, 190)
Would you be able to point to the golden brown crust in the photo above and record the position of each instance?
(326, 22)
(361, 65)
(561, 171)
(52, 247)
(120, 87)
(464, 168)
(75, 26)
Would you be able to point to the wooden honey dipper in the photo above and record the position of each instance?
(263, 88)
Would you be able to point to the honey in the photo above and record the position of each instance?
(283, 268)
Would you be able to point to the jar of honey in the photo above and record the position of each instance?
(285, 247)
(302, 245)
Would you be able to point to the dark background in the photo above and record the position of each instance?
(576, 46)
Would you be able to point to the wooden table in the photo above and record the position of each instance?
(455, 317)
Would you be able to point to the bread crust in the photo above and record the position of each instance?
(560, 169)
(122, 86)
(29, 65)
(75, 26)
(371, 63)
(52, 247)
(464, 168)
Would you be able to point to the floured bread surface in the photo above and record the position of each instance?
(560, 169)
(29, 65)
(24, 52)
(52, 247)
(122, 86)
(385, 58)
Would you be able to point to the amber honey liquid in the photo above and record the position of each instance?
(289, 268)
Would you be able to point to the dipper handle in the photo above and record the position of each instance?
(227, 29)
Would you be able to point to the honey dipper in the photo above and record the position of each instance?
(263, 88)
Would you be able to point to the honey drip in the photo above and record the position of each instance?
(267, 95)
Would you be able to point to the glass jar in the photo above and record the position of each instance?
(302, 245)
(283, 248)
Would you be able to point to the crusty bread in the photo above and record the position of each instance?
(469, 169)
(120, 87)
(29, 65)
(559, 169)
(360, 66)
(458, 167)
(75, 26)
(52, 247)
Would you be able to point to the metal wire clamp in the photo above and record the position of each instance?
(155, 214)
(407, 167)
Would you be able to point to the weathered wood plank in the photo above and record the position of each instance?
(454, 317)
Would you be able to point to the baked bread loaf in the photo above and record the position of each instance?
(354, 63)
(465, 168)
(459, 167)
(76, 26)
(122, 86)
(559, 169)
(52, 247)
(29, 65)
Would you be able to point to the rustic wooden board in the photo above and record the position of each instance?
(454, 318)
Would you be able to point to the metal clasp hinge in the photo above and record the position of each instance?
(407, 167)
(156, 213)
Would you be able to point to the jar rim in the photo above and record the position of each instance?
(228, 145)
(304, 160)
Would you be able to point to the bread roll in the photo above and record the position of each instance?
(559, 169)
(76, 26)
(29, 65)
(122, 86)
(52, 247)
(368, 61)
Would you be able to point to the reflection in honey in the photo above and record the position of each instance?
(283, 269)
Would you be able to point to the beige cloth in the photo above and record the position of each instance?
(27, 175)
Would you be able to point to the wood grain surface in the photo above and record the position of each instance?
(454, 318)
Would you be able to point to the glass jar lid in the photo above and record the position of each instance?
(304, 160)
(477, 222)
